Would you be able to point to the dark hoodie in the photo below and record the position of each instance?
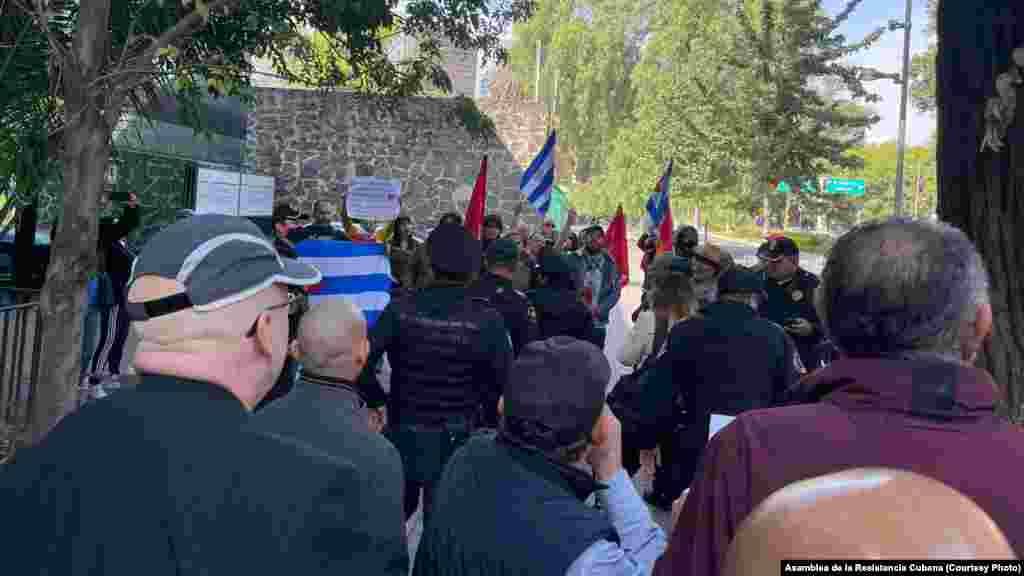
(928, 416)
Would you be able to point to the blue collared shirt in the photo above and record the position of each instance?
(642, 540)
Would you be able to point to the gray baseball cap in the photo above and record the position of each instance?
(219, 259)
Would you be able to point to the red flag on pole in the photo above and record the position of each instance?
(666, 225)
(618, 246)
(474, 218)
(665, 232)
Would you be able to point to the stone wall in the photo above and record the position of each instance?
(313, 143)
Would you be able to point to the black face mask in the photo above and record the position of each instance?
(283, 385)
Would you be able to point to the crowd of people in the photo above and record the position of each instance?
(260, 437)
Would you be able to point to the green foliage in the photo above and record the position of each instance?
(737, 93)
(879, 172)
(321, 43)
(922, 67)
(477, 123)
(589, 54)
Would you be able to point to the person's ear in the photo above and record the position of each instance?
(265, 335)
(973, 334)
(599, 435)
(501, 406)
(362, 353)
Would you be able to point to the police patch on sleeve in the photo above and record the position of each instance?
(531, 312)
(797, 295)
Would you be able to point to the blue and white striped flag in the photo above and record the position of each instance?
(658, 201)
(540, 177)
(358, 270)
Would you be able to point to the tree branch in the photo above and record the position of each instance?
(131, 33)
(184, 27)
(44, 22)
(14, 48)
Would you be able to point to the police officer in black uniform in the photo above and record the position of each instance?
(449, 354)
(789, 290)
(497, 286)
(556, 298)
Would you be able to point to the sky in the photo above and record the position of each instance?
(886, 55)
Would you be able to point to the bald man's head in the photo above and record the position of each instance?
(332, 339)
(864, 513)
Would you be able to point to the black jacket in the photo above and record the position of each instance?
(169, 478)
(115, 259)
(515, 308)
(504, 509)
(327, 414)
(730, 361)
(449, 356)
(317, 232)
(560, 313)
(285, 248)
(795, 299)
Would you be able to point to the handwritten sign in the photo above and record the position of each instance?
(372, 198)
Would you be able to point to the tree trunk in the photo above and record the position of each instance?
(983, 192)
(74, 253)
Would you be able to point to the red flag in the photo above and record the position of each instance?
(474, 219)
(618, 247)
(665, 232)
(666, 225)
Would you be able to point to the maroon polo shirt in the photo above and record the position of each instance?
(932, 418)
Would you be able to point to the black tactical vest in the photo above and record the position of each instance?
(436, 361)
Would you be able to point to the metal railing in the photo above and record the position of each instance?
(20, 345)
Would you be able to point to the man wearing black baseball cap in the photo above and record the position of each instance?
(172, 477)
(789, 292)
(449, 354)
(497, 286)
(513, 502)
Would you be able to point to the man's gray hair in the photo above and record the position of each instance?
(900, 287)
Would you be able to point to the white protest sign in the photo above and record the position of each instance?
(257, 195)
(217, 191)
(372, 198)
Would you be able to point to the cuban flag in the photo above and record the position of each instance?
(539, 177)
(360, 271)
(658, 216)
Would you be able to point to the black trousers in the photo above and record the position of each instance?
(681, 453)
(425, 451)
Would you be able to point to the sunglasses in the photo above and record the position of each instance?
(295, 304)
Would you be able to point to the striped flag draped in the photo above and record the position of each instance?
(360, 271)
(659, 211)
(539, 177)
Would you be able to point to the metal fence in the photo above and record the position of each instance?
(20, 344)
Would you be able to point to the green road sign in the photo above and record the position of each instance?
(807, 187)
(847, 186)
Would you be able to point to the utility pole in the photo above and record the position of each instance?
(904, 96)
(536, 81)
(917, 188)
